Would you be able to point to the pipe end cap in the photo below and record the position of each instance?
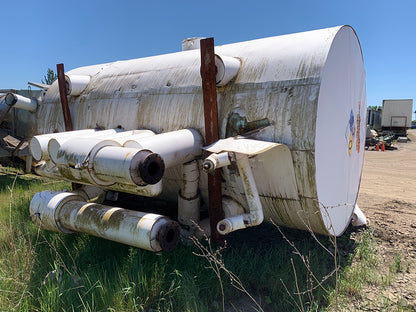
(147, 168)
(169, 235)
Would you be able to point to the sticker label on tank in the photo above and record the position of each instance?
(350, 132)
(350, 144)
(354, 131)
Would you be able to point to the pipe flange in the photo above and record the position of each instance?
(168, 235)
(146, 168)
(10, 99)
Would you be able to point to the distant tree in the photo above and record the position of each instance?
(375, 107)
(49, 77)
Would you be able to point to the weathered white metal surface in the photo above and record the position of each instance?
(68, 213)
(307, 85)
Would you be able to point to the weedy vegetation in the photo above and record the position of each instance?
(266, 268)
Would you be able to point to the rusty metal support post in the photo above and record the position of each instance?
(64, 98)
(65, 106)
(209, 93)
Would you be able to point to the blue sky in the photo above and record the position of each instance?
(36, 35)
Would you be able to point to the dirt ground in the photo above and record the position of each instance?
(388, 199)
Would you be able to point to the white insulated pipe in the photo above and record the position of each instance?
(227, 66)
(190, 179)
(215, 161)
(105, 162)
(188, 198)
(76, 84)
(55, 143)
(18, 101)
(45, 207)
(38, 145)
(127, 165)
(125, 136)
(48, 169)
(255, 215)
(227, 69)
(175, 147)
(68, 213)
(76, 152)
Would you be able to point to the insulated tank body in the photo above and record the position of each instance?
(306, 90)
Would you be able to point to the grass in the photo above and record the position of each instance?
(93, 274)
(359, 273)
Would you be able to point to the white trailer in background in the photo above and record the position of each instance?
(397, 116)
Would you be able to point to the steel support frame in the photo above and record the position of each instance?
(209, 92)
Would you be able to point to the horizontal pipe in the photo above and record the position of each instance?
(215, 161)
(127, 165)
(227, 69)
(45, 206)
(55, 143)
(38, 145)
(21, 102)
(76, 152)
(67, 212)
(106, 162)
(176, 147)
(125, 136)
(50, 170)
(76, 84)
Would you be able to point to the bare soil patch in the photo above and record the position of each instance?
(388, 199)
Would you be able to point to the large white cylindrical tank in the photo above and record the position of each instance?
(310, 87)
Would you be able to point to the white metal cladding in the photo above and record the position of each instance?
(292, 80)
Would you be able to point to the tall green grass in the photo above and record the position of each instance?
(99, 275)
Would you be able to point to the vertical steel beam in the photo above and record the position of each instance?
(64, 98)
(65, 106)
(209, 92)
